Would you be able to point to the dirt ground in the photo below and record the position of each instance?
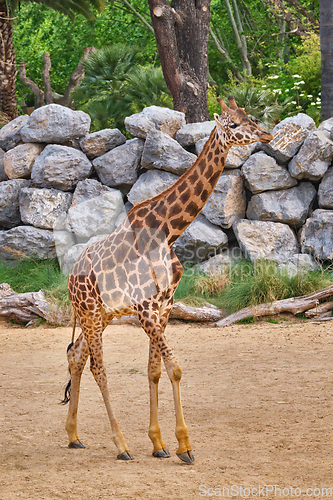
(257, 400)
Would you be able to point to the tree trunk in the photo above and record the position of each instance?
(181, 30)
(7, 66)
(326, 42)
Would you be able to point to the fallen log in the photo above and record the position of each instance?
(295, 305)
(319, 310)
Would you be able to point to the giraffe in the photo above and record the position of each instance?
(135, 271)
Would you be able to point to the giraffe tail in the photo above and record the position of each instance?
(67, 395)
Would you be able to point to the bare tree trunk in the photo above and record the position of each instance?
(181, 31)
(32, 85)
(8, 71)
(46, 78)
(75, 78)
(326, 42)
(237, 28)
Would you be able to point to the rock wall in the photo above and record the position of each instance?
(62, 188)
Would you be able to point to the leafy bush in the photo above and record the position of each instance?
(115, 86)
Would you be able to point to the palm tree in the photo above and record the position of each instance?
(7, 53)
(326, 42)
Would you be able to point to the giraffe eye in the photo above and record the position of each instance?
(233, 125)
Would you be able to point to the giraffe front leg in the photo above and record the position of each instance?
(77, 357)
(184, 451)
(154, 374)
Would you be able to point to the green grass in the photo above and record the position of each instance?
(248, 284)
(31, 276)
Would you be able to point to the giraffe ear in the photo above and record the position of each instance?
(232, 103)
(216, 117)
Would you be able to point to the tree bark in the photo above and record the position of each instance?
(75, 78)
(8, 71)
(46, 78)
(32, 85)
(326, 43)
(181, 30)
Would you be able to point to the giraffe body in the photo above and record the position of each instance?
(135, 271)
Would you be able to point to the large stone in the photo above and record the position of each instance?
(3, 176)
(60, 167)
(265, 240)
(262, 173)
(27, 242)
(9, 202)
(216, 265)
(164, 119)
(227, 203)
(290, 206)
(316, 236)
(192, 132)
(100, 142)
(150, 184)
(41, 207)
(327, 127)
(164, 153)
(10, 134)
(54, 123)
(289, 136)
(199, 241)
(314, 157)
(96, 209)
(300, 263)
(119, 168)
(325, 191)
(18, 161)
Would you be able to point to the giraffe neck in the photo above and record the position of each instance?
(173, 210)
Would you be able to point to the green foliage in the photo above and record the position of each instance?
(115, 86)
(248, 284)
(260, 104)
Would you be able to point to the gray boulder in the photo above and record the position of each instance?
(216, 265)
(3, 176)
(327, 128)
(290, 206)
(199, 241)
(41, 207)
(265, 240)
(289, 136)
(10, 134)
(325, 191)
(166, 120)
(164, 153)
(300, 263)
(100, 142)
(262, 173)
(54, 123)
(60, 167)
(18, 161)
(227, 203)
(26, 241)
(150, 184)
(192, 132)
(314, 157)
(95, 209)
(119, 168)
(316, 236)
(9, 202)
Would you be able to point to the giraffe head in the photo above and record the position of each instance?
(235, 127)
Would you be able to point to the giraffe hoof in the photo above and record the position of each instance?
(186, 457)
(125, 455)
(163, 453)
(76, 444)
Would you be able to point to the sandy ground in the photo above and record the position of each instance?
(257, 400)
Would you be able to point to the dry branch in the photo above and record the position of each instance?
(46, 78)
(319, 310)
(295, 305)
(29, 83)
